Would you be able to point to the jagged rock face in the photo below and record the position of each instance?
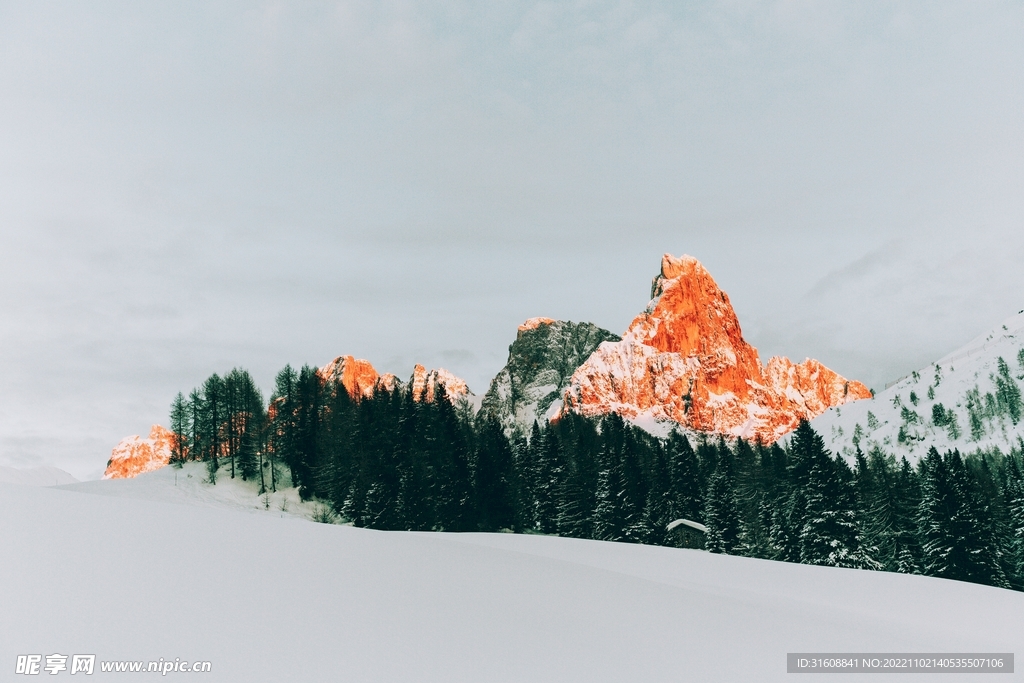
(358, 376)
(360, 379)
(135, 455)
(684, 360)
(540, 363)
(425, 385)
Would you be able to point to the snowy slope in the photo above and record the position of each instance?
(951, 381)
(35, 476)
(265, 598)
(188, 485)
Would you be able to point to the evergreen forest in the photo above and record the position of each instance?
(390, 462)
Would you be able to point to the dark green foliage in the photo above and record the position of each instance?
(492, 483)
(830, 535)
(888, 497)
(180, 429)
(1007, 392)
(721, 513)
(955, 523)
(248, 463)
(975, 413)
(686, 499)
(1014, 497)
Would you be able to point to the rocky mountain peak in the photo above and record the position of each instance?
(541, 362)
(357, 375)
(684, 360)
(134, 455)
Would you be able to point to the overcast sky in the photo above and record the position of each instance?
(187, 187)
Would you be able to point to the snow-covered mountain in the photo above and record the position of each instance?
(684, 361)
(135, 455)
(360, 378)
(264, 598)
(540, 363)
(970, 399)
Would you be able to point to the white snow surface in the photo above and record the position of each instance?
(969, 367)
(188, 485)
(265, 598)
(36, 476)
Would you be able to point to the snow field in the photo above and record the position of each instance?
(266, 598)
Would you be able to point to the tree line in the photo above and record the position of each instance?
(388, 461)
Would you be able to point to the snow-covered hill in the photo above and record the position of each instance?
(970, 399)
(188, 485)
(264, 598)
(36, 476)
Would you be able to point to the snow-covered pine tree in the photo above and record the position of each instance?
(580, 444)
(608, 522)
(633, 495)
(454, 479)
(1007, 392)
(658, 508)
(830, 535)
(721, 514)
(686, 497)
(531, 459)
(492, 481)
(213, 392)
(786, 521)
(887, 499)
(549, 471)
(1014, 496)
(957, 541)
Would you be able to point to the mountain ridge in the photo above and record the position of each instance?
(684, 360)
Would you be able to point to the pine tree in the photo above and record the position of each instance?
(213, 395)
(658, 508)
(608, 522)
(180, 429)
(1007, 392)
(281, 438)
(196, 445)
(308, 414)
(957, 542)
(549, 471)
(610, 519)
(492, 478)
(686, 499)
(1014, 495)
(721, 514)
(248, 464)
(577, 500)
(888, 498)
(786, 522)
(633, 492)
(829, 535)
(455, 504)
